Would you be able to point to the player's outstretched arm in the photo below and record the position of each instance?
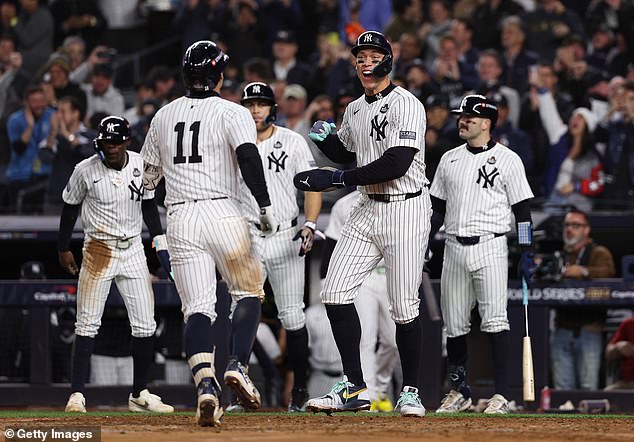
(67, 221)
(331, 146)
(159, 241)
(312, 206)
(253, 174)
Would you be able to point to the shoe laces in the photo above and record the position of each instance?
(408, 397)
(340, 386)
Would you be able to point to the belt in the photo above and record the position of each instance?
(387, 198)
(119, 243)
(283, 225)
(473, 240)
(195, 201)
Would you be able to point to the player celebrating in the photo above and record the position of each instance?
(284, 153)
(384, 130)
(475, 188)
(197, 142)
(108, 189)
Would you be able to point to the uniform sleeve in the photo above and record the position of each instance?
(345, 132)
(76, 188)
(148, 194)
(240, 128)
(406, 124)
(305, 159)
(150, 151)
(437, 188)
(517, 187)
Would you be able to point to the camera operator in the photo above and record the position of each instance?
(577, 341)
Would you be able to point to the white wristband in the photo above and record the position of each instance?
(310, 225)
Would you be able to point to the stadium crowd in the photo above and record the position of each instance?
(561, 72)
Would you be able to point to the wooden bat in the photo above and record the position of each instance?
(528, 377)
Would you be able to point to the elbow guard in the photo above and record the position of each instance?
(152, 176)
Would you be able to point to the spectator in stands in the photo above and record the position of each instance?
(33, 28)
(57, 84)
(548, 25)
(440, 135)
(246, 33)
(514, 138)
(80, 18)
(231, 90)
(125, 29)
(292, 108)
(618, 159)
(490, 82)
(577, 340)
(410, 50)
(433, 31)
(575, 75)
(101, 95)
(80, 66)
(13, 79)
(329, 49)
(418, 80)
(462, 32)
(27, 128)
(68, 143)
(286, 66)
(446, 71)
(197, 19)
(407, 17)
(162, 79)
(621, 349)
(543, 76)
(516, 59)
(144, 92)
(486, 15)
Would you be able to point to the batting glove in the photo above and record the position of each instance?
(159, 242)
(526, 266)
(321, 129)
(307, 235)
(268, 222)
(324, 179)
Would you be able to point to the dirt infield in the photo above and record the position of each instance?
(358, 428)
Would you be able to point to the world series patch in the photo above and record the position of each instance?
(407, 135)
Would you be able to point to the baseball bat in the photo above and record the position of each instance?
(528, 377)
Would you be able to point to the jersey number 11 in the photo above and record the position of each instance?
(180, 130)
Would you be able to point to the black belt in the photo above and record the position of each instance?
(473, 240)
(195, 201)
(387, 198)
(282, 226)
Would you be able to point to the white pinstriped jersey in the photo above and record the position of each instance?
(111, 198)
(480, 189)
(193, 140)
(283, 155)
(396, 119)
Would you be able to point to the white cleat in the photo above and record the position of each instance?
(454, 402)
(497, 405)
(148, 403)
(237, 378)
(409, 404)
(76, 403)
(208, 412)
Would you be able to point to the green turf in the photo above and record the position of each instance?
(23, 414)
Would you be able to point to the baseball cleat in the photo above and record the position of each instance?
(409, 404)
(208, 412)
(237, 378)
(76, 403)
(497, 405)
(148, 403)
(454, 402)
(298, 400)
(344, 396)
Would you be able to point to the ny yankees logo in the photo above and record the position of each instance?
(256, 88)
(110, 127)
(134, 190)
(378, 127)
(489, 178)
(280, 162)
(367, 38)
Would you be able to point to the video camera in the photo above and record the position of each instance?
(549, 266)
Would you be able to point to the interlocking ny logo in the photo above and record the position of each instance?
(488, 178)
(280, 162)
(367, 38)
(110, 127)
(134, 190)
(379, 128)
(256, 88)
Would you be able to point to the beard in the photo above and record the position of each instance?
(570, 243)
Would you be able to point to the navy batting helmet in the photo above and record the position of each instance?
(262, 92)
(113, 130)
(375, 40)
(203, 63)
(478, 106)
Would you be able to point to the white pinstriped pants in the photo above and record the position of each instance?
(102, 263)
(395, 231)
(474, 273)
(286, 271)
(202, 235)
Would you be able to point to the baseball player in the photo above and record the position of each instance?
(198, 142)
(108, 189)
(476, 187)
(284, 153)
(384, 131)
(378, 345)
